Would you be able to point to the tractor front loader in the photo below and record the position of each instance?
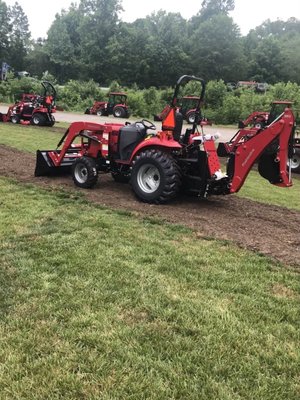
(160, 164)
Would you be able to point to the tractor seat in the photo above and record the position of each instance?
(129, 137)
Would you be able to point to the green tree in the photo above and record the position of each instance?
(213, 7)
(98, 26)
(5, 29)
(271, 51)
(216, 50)
(37, 60)
(267, 61)
(63, 45)
(150, 51)
(19, 38)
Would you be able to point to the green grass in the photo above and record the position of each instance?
(30, 139)
(258, 189)
(97, 304)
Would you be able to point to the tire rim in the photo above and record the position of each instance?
(36, 120)
(148, 178)
(99, 113)
(118, 113)
(294, 162)
(81, 173)
(191, 118)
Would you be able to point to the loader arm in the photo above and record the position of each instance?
(269, 146)
(49, 161)
(76, 129)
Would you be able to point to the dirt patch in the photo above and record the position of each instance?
(271, 230)
(281, 291)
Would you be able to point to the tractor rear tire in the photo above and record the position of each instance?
(38, 119)
(155, 176)
(84, 172)
(295, 162)
(119, 112)
(15, 119)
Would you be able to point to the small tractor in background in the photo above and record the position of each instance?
(260, 119)
(116, 105)
(161, 164)
(33, 108)
(186, 105)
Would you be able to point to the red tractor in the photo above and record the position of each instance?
(161, 164)
(33, 109)
(187, 107)
(116, 105)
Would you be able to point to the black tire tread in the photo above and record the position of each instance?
(92, 178)
(172, 175)
(297, 169)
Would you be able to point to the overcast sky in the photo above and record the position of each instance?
(247, 14)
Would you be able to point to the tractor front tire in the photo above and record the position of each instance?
(84, 172)
(15, 119)
(119, 112)
(38, 119)
(100, 112)
(155, 176)
(191, 118)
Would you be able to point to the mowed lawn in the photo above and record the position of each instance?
(100, 304)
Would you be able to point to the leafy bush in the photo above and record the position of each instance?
(12, 89)
(78, 95)
(221, 105)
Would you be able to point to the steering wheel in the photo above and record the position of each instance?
(148, 124)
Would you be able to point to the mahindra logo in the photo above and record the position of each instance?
(248, 157)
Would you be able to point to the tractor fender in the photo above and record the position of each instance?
(156, 142)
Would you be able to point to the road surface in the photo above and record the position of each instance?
(226, 133)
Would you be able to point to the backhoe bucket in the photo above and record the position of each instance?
(45, 166)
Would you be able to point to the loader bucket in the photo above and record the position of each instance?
(45, 166)
(3, 118)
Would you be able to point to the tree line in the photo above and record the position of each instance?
(90, 41)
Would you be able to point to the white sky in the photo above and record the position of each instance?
(247, 14)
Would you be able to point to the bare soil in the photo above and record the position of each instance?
(270, 230)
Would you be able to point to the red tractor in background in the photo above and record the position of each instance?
(186, 105)
(116, 105)
(260, 119)
(33, 108)
(161, 164)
